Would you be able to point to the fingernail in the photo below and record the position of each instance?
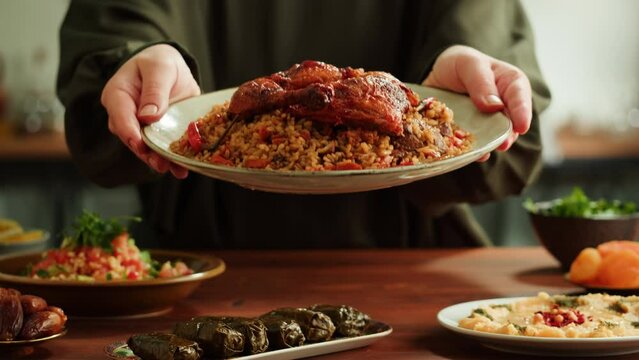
(493, 100)
(149, 110)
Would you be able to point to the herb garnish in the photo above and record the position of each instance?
(90, 229)
(504, 306)
(577, 204)
(483, 312)
(566, 301)
(619, 307)
(520, 328)
(608, 324)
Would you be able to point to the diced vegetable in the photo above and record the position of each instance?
(193, 134)
(100, 250)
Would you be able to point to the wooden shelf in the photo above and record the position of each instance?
(43, 146)
(598, 144)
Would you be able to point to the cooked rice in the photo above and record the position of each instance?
(279, 141)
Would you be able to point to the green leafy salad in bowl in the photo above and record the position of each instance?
(577, 204)
(101, 249)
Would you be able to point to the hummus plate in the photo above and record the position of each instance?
(529, 345)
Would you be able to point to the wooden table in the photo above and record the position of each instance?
(404, 288)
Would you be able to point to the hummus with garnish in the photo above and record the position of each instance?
(585, 316)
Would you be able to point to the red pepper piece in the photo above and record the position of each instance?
(218, 159)
(257, 163)
(347, 165)
(195, 139)
(265, 134)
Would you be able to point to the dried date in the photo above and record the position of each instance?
(41, 324)
(11, 316)
(58, 311)
(32, 304)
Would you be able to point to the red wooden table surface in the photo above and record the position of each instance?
(404, 288)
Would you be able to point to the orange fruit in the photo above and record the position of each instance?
(619, 269)
(586, 265)
(616, 245)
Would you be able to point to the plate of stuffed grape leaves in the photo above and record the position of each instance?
(283, 333)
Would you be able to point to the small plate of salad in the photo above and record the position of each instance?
(98, 271)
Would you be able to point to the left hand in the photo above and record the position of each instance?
(493, 85)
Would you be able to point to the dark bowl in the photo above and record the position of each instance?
(565, 237)
(118, 299)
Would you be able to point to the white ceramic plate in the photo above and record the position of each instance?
(529, 345)
(489, 131)
(377, 330)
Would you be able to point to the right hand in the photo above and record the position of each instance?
(140, 93)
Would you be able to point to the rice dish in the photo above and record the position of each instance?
(278, 140)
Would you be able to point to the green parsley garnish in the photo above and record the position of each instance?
(520, 328)
(482, 312)
(566, 301)
(608, 324)
(577, 204)
(91, 230)
(619, 307)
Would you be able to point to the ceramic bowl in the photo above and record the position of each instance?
(565, 237)
(124, 299)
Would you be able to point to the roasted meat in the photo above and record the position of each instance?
(325, 93)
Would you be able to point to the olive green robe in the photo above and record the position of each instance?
(228, 42)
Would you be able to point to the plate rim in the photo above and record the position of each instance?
(33, 341)
(469, 156)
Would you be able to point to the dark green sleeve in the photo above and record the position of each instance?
(498, 28)
(96, 37)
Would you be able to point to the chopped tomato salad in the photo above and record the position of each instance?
(117, 259)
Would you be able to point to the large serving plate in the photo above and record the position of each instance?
(136, 298)
(375, 331)
(529, 345)
(489, 131)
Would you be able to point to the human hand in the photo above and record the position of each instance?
(140, 93)
(493, 85)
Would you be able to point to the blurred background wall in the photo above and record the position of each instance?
(587, 49)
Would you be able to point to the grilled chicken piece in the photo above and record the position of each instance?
(310, 72)
(263, 95)
(325, 93)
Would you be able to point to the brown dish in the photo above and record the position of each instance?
(113, 298)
